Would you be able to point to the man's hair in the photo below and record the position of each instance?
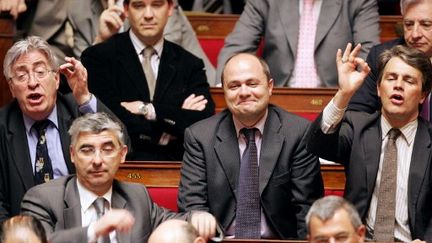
(404, 4)
(263, 63)
(22, 224)
(325, 208)
(24, 46)
(412, 57)
(189, 232)
(95, 123)
(126, 2)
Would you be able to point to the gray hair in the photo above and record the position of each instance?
(263, 63)
(189, 233)
(14, 228)
(95, 123)
(405, 3)
(325, 208)
(22, 47)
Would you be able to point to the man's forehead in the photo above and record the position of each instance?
(97, 138)
(33, 58)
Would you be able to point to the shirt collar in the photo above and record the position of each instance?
(87, 197)
(139, 46)
(408, 131)
(259, 125)
(28, 122)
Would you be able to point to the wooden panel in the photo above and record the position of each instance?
(167, 174)
(291, 99)
(7, 34)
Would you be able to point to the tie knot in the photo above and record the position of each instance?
(394, 133)
(41, 126)
(249, 134)
(99, 205)
(148, 52)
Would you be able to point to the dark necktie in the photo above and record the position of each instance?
(43, 167)
(148, 70)
(385, 214)
(248, 215)
(99, 205)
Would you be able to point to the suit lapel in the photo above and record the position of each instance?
(131, 63)
(326, 21)
(72, 210)
(290, 22)
(271, 146)
(119, 202)
(227, 151)
(18, 139)
(167, 70)
(420, 161)
(372, 149)
(64, 121)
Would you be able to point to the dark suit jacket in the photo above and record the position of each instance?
(16, 172)
(57, 205)
(116, 75)
(366, 98)
(357, 145)
(290, 179)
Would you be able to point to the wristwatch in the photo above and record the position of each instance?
(143, 110)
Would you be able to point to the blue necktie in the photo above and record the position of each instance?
(248, 215)
(43, 167)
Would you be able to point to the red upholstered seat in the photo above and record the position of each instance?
(164, 196)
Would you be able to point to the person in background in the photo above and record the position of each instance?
(72, 26)
(299, 36)
(386, 155)
(417, 25)
(333, 217)
(23, 229)
(153, 85)
(248, 164)
(92, 205)
(177, 231)
(34, 144)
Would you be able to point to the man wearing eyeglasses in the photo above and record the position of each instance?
(91, 205)
(34, 144)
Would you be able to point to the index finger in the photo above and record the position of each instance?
(111, 3)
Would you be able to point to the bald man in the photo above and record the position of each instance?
(175, 231)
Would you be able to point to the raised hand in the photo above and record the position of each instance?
(76, 75)
(110, 21)
(352, 70)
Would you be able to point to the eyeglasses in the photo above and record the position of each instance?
(24, 76)
(89, 153)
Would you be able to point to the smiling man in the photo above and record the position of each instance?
(91, 205)
(387, 154)
(153, 85)
(250, 158)
(30, 156)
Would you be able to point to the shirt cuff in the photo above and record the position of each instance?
(91, 234)
(332, 116)
(89, 106)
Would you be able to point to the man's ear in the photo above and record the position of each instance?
(199, 239)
